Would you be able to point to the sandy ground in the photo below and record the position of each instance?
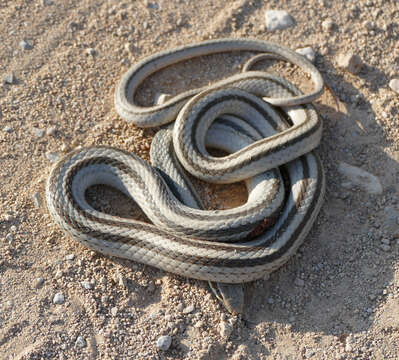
(338, 298)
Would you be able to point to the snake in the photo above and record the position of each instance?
(268, 128)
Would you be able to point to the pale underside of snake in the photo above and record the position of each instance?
(270, 149)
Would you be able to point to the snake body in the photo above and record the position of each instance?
(230, 115)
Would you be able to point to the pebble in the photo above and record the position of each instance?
(114, 311)
(25, 45)
(38, 132)
(38, 282)
(80, 342)
(270, 301)
(90, 51)
(188, 309)
(278, 20)
(51, 130)
(52, 156)
(161, 98)
(225, 329)
(37, 199)
(70, 257)
(120, 280)
(350, 62)
(164, 342)
(299, 282)
(394, 85)
(9, 238)
(13, 228)
(129, 47)
(87, 285)
(8, 129)
(9, 79)
(308, 53)
(58, 274)
(385, 247)
(368, 182)
(59, 298)
(328, 25)
(391, 219)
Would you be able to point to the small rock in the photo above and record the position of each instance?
(328, 25)
(308, 53)
(299, 282)
(8, 129)
(9, 79)
(164, 342)
(59, 298)
(91, 52)
(394, 85)
(38, 282)
(87, 285)
(120, 280)
(52, 156)
(309, 353)
(25, 45)
(114, 311)
(13, 228)
(129, 47)
(361, 178)
(161, 98)
(37, 200)
(51, 131)
(385, 241)
(58, 274)
(38, 132)
(350, 62)
(391, 219)
(188, 309)
(385, 247)
(9, 238)
(80, 342)
(270, 301)
(46, 2)
(225, 329)
(278, 20)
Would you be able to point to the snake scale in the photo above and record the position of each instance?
(269, 130)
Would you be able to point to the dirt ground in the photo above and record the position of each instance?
(338, 298)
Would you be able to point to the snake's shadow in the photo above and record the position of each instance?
(340, 275)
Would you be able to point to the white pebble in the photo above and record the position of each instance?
(278, 20)
(90, 51)
(188, 309)
(38, 132)
(25, 45)
(58, 298)
(9, 78)
(37, 199)
(8, 129)
(87, 285)
(9, 238)
(114, 311)
(394, 85)
(385, 247)
(58, 274)
(164, 342)
(308, 53)
(327, 25)
(70, 257)
(361, 178)
(80, 342)
(38, 282)
(51, 130)
(52, 156)
(225, 329)
(350, 62)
